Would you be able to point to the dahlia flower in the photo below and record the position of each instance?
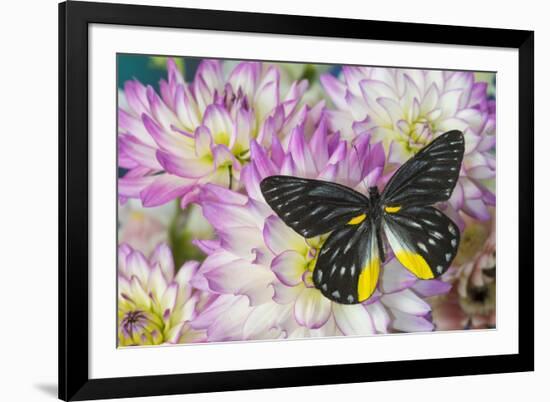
(407, 109)
(291, 72)
(154, 303)
(261, 269)
(144, 228)
(189, 134)
(471, 303)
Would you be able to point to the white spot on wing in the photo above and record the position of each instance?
(448, 257)
(431, 241)
(439, 269)
(336, 294)
(436, 234)
(319, 274)
(350, 299)
(452, 230)
(414, 224)
(422, 246)
(453, 242)
(342, 271)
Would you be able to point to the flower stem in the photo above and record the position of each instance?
(230, 169)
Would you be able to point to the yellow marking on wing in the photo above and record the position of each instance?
(357, 220)
(415, 263)
(368, 279)
(392, 210)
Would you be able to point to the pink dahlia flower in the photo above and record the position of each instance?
(406, 109)
(194, 133)
(155, 304)
(471, 303)
(144, 228)
(261, 269)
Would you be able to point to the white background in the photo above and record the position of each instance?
(28, 204)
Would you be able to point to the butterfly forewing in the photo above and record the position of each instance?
(347, 266)
(312, 207)
(423, 239)
(428, 177)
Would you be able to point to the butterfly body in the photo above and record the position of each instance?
(402, 217)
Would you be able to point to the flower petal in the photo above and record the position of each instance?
(353, 319)
(477, 209)
(336, 89)
(301, 155)
(241, 241)
(289, 267)
(139, 152)
(131, 186)
(379, 316)
(228, 324)
(284, 294)
(279, 237)
(219, 122)
(186, 108)
(166, 140)
(431, 288)
(157, 283)
(203, 142)
(162, 255)
(471, 190)
(185, 167)
(164, 188)
(241, 277)
(267, 96)
(411, 323)
(226, 216)
(168, 301)
(395, 277)
(406, 301)
(245, 76)
(261, 320)
(312, 309)
(138, 266)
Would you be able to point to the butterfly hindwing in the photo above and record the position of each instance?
(428, 177)
(313, 207)
(347, 267)
(423, 239)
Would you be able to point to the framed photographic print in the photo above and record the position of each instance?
(256, 200)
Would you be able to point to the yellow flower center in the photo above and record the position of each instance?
(138, 327)
(418, 134)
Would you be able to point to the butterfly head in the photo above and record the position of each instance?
(374, 195)
(373, 192)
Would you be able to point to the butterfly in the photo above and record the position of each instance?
(423, 239)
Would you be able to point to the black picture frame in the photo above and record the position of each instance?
(74, 19)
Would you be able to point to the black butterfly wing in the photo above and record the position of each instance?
(348, 264)
(423, 239)
(313, 207)
(428, 177)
